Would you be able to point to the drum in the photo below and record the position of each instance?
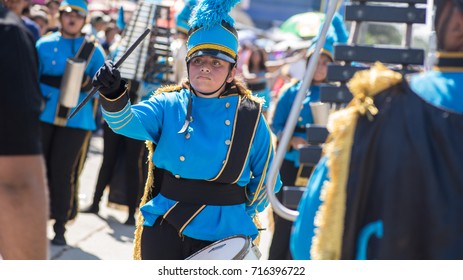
(237, 247)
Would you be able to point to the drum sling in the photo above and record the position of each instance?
(85, 52)
(194, 195)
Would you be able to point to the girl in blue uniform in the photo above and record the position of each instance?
(213, 145)
(291, 171)
(65, 141)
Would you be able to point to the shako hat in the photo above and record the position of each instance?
(212, 31)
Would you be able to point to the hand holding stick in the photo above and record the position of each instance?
(117, 65)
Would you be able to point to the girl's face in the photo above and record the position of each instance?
(72, 23)
(322, 69)
(208, 74)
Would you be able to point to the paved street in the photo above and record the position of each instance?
(105, 237)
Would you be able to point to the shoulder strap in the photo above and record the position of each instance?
(243, 133)
(86, 49)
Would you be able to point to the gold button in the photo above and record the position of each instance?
(187, 136)
(56, 49)
(227, 105)
(227, 122)
(299, 119)
(53, 62)
(177, 176)
(182, 158)
(227, 142)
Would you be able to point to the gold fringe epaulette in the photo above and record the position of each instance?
(329, 220)
(167, 88)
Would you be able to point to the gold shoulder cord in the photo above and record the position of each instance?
(329, 220)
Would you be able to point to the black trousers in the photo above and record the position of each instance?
(279, 248)
(114, 145)
(162, 242)
(62, 147)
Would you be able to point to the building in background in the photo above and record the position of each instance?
(270, 13)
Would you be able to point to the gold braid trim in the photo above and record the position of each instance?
(146, 194)
(329, 220)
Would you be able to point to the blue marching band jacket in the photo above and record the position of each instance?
(282, 111)
(53, 51)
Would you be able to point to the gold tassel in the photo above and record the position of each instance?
(329, 220)
(146, 194)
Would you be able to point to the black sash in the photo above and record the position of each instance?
(85, 52)
(246, 122)
(200, 191)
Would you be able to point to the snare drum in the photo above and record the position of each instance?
(237, 247)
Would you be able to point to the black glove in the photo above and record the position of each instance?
(108, 79)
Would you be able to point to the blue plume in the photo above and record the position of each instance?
(120, 19)
(339, 28)
(210, 13)
(186, 10)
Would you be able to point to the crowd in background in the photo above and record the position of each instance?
(269, 67)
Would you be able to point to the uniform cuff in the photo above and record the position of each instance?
(116, 104)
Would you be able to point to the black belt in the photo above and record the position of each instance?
(300, 129)
(199, 191)
(54, 81)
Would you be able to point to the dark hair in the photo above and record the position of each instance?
(443, 12)
(260, 52)
(237, 82)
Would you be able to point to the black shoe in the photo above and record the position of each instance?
(130, 221)
(59, 240)
(91, 209)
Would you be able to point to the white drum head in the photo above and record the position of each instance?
(235, 247)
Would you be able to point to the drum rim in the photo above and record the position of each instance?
(239, 256)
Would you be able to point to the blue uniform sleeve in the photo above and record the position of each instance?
(303, 228)
(129, 121)
(262, 153)
(282, 109)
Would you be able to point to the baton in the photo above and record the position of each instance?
(117, 65)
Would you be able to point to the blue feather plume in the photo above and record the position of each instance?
(120, 19)
(209, 13)
(186, 11)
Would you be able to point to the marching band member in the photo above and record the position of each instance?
(391, 179)
(213, 145)
(292, 173)
(67, 60)
(179, 44)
